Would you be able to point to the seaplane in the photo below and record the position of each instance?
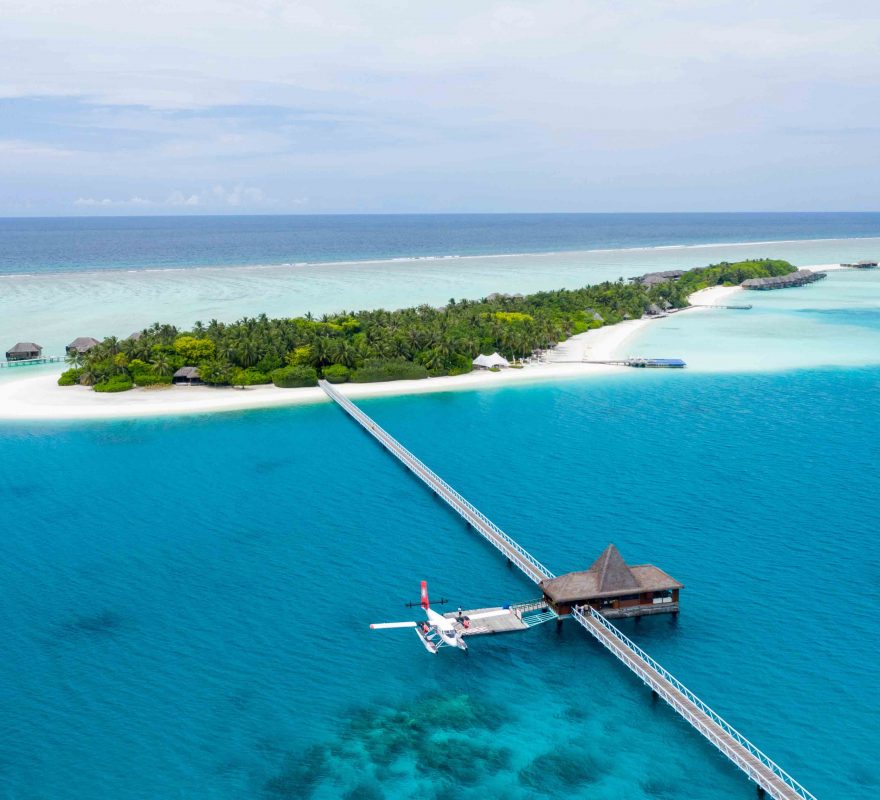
(437, 631)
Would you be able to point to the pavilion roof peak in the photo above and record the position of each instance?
(612, 573)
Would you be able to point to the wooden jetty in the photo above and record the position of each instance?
(745, 307)
(644, 363)
(29, 362)
(521, 617)
(768, 776)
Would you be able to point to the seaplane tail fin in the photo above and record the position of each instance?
(425, 603)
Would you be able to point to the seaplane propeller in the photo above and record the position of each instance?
(437, 631)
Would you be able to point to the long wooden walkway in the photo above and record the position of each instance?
(533, 568)
(768, 776)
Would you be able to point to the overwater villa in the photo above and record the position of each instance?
(799, 278)
(81, 344)
(24, 351)
(614, 589)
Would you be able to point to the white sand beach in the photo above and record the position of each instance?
(40, 398)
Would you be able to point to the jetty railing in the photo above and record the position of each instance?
(778, 783)
(515, 553)
(30, 362)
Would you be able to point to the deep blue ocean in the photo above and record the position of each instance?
(185, 602)
(39, 245)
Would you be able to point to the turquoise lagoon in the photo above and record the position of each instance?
(53, 309)
(835, 322)
(185, 602)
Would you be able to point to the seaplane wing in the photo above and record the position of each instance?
(498, 612)
(380, 625)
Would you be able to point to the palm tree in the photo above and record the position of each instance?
(161, 364)
(75, 358)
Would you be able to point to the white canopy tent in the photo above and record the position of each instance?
(487, 362)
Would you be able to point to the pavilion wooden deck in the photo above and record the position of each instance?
(768, 776)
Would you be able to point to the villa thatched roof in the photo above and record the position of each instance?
(609, 576)
(187, 372)
(136, 335)
(82, 344)
(653, 278)
(25, 347)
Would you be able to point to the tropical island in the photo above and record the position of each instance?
(380, 345)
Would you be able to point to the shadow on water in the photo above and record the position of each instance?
(103, 624)
(267, 466)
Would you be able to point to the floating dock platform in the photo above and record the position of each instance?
(521, 617)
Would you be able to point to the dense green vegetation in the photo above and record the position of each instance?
(382, 345)
(727, 274)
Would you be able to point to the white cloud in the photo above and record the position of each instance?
(390, 106)
(106, 202)
(216, 198)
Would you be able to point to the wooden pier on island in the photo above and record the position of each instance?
(643, 363)
(607, 574)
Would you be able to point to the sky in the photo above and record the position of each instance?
(344, 106)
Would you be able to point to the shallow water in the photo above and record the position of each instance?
(52, 310)
(835, 322)
(185, 602)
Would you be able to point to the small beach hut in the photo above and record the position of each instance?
(22, 351)
(654, 310)
(614, 588)
(81, 344)
(488, 362)
(187, 375)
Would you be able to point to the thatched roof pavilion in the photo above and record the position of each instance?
(187, 375)
(22, 351)
(610, 584)
(82, 344)
(653, 278)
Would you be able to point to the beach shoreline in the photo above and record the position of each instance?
(39, 398)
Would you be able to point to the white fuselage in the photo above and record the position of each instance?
(446, 629)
